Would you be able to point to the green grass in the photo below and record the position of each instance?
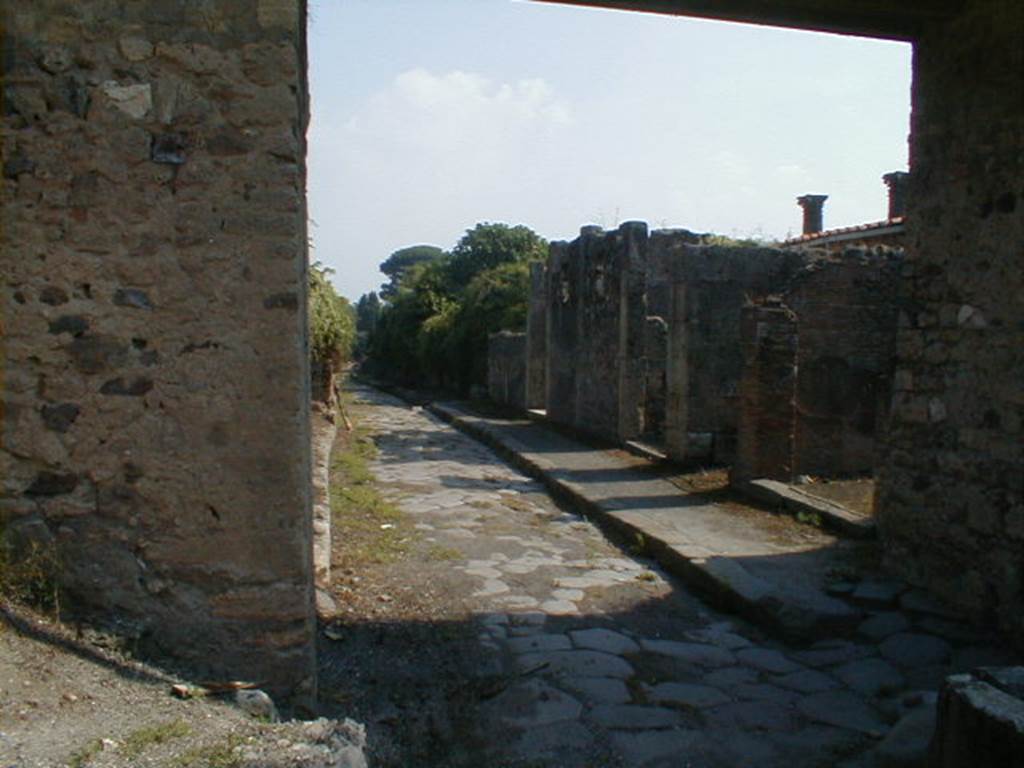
(141, 739)
(30, 573)
(222, 755)
(374, 530)
(85, 755)
(439, 552)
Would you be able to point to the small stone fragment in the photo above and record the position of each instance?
(257, 703)
(134, 100)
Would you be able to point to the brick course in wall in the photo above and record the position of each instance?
(155, 372)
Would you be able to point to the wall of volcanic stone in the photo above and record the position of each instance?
(951, 496)
(155, 373)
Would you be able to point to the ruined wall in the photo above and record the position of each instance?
(596, 318)
(155, 398)
(537, 338)
(817, 369)
(506, 369)
(846, 322)
(705, 357)
(764, 440)
(951, 493)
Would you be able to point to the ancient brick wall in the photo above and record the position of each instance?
(705, 357)
(156, 390)
(537, 338)
(764, 440)
(846, 323)
(817, 369)
(506, 369)
(596, 318)
(951, 493)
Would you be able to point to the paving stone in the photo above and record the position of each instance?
(954, 631)
(829, 652)
(534, 643)
(641, 750)
(764, 692)
(546, 744)
(526, 618)
(569, 595)
(767, 660)
(820, 739)
(806, 681)
(687, 695)
(928, 678)
(919, 601)
(753, 715)
(559, 607)
(633, 717)
(492, 587)
(730, 676)
(696, 653)
(534, 703)
(906, 745)
(843, 710)
(880, 593)
(607, 640)
(915, 650)
(881, 625)
(578, 663)
(729, 640)
(870, 677)
(598, 690)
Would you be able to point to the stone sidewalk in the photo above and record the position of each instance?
(775, 572)
(607, 660)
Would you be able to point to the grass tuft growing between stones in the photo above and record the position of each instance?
(374, 529)
(85, 755)
(29, 572)
(141, 739)
(221, 755)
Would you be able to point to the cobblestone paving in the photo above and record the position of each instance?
(612, 662)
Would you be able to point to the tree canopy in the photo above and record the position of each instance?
(398, 263)
(433, 330)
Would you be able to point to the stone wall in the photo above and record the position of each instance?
(155, 393)
(764, 440)
(506, 369)
(818, 363)
(596, 318)
(705, 359)
(537, 338)
(951, 495)
(846, 323)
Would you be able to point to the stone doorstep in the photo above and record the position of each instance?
(727, 582)
(833, 516)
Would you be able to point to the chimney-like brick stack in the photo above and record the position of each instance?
(812, 205)
(897, 183)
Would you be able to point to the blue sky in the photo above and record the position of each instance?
(431, 115)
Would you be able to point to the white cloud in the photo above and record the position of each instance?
(426, 151)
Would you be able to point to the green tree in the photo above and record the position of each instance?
(488, 244)
(433, 330)
(398, 263)
(332, 326)
(367, 312)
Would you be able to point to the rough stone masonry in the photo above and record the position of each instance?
(155, 373)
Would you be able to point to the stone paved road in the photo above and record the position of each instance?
(614, 663)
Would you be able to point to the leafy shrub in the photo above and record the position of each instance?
(332, 326)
